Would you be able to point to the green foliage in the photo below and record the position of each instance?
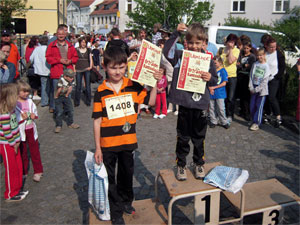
(290, 27)
(289, 99)
(11, 8)
(244, 22)
(149, 12)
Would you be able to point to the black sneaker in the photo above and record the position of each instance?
(211, 125)
(128, 209)
(226, 126)
(118, 221)
(277, 123)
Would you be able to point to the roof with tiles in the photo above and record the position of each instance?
(106, 7)
(83, 3)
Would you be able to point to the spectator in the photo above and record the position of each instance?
(60, 54)
(41, 69)
(5, 48)
(156, 34)
(82, 69)
(14, 55)
(230, 56)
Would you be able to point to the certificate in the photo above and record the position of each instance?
(147, 64)
(192, 64)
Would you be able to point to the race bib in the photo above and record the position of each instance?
(119, 106)
(13, 121)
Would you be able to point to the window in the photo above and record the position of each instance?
(129, 5)
(281, 6)
(238, 6)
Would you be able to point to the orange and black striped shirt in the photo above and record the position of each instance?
(112, 136)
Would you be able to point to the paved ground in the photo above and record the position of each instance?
(61, 196)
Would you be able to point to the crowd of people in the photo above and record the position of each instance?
(55, 65)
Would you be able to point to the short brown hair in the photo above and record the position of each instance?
(196, 30)
(115, 55)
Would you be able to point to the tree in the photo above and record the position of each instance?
(11, 8)
(167, 12)
(290, 27)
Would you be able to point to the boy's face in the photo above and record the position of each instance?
(69, 79)
(115, 71)
(194, 44)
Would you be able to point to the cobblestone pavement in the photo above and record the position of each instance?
(61, 196)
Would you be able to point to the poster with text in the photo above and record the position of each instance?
(147, 64)
(189, 78)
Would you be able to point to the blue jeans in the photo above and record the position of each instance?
(87, 78)
(45, 89)
(53, 85)
(63, 105)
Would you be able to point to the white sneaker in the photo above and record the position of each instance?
(254, 127)
(36, 97)
(176, 113)
(155, 116)
(229, 119)
(161, 116)
(169, 110)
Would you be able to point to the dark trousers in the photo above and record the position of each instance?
(273, 103)
(120, 191)
(191, 125)
(230, 100)
(244, 95)
(87, 78)
(63, 105)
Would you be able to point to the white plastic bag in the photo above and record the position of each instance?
(227, 178)
(98, 187)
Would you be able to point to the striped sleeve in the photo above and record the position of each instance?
(98, 109)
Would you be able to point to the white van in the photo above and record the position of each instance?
(217, 34)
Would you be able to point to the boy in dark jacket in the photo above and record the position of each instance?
(192, 121)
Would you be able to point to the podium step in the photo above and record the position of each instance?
(147, 212)
(263, 194)
(190, 185)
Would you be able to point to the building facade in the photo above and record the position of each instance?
(105, 16)
(45, 16)
(266, 11)
(78, 16)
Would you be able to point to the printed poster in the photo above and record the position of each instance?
(147, 64)
(192, 63)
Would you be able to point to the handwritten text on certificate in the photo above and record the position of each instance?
(192, 63)
(147, 64)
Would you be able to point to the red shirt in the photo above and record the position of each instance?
(53, 57)
(14, 57)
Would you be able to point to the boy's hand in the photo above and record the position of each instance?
(157, 75)
(98, 156)
(181, 27)
(205, 76)
(24, 115)
(211, 90)
(32, 116)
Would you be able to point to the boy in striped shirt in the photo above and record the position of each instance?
(115, 113)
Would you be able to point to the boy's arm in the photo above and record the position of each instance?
(69, 90)
(57, 92)
(223, 84)
(169, 49)
(97, 133)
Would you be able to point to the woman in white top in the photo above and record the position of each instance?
(276, 62)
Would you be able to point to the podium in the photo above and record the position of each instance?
(268, 197)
